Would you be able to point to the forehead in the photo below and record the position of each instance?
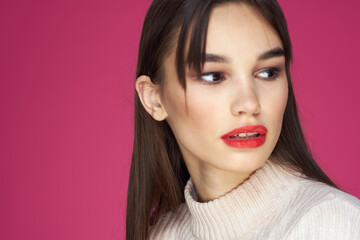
(238, 29)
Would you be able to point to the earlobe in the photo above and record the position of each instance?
(149, 94)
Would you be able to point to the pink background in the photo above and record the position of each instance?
(66, 102)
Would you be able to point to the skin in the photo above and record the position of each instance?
(248, 93)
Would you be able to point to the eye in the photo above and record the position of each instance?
(212, 77)
(270, 73)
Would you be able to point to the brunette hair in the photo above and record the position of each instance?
(158, 173)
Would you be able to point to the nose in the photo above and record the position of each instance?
(245, 99)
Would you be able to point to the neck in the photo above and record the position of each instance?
(211, 183)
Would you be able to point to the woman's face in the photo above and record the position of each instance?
(243, 83)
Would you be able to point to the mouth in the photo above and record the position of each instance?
(245, 135)
(249, 136)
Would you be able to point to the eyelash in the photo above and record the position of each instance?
(221, 75)
(275, 71)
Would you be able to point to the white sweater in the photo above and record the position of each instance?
(271, 204)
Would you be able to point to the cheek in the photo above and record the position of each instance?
(202, 109)
(283, 97)
(192, 114)
(174, 102)
(276, 103)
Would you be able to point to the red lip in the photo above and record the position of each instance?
(246, 143)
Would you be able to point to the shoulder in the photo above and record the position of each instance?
(323, 212)
(170, 224)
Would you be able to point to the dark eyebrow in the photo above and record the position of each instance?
(276, 52)
(216, 58)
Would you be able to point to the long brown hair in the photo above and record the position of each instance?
(158, 173)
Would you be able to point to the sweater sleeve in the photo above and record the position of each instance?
(337, 218)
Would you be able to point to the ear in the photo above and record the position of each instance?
(149, 94)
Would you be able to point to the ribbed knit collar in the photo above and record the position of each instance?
(244, 208)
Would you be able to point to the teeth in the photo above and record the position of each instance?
(245, 134)
(251, 134)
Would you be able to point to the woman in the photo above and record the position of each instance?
(218, 151)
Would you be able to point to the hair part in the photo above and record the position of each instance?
(158, 173)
